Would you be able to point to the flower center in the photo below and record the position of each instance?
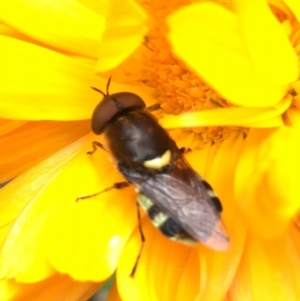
(179, 89)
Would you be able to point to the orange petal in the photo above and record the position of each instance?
(294, 7)
(282, 6)
(26, 144)
(166, 270)
(219, 268)
(25, 211)
(293, 118)
(269, 269)
(294, 233)
(7, 126)
(185, 274)
(113, 293)
(266, 185)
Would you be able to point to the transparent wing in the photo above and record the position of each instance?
(183, 195)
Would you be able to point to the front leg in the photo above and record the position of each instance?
(96, 144)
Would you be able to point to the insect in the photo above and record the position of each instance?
(179, 202)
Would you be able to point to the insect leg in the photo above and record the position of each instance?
(154, 107)
(3, 226)
(216, 103)
(297, 223)
(96, 144)
(118, 185)
(184, 150)
(142, 240)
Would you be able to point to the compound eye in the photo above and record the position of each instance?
(111, 105)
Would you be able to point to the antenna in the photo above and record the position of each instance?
(96, 89)
(107, 88)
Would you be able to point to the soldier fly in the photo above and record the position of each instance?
(179, 202)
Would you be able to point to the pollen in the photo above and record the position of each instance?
(178, 89)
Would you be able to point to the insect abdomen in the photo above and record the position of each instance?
(163, 222)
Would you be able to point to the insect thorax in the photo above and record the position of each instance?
(136, 136)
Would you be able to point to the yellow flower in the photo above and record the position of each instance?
(53, 247)
(250, 58)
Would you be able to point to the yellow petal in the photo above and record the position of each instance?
(57, 287)
(74, 28)
(95, 5)
(207, 38)
(25, 212)
(42, 84)
(229, 116)
(273, 58)
(85, 238)
(88, 238)
(269, 123)
(266, 185)
(125, 29)
(21, 148)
